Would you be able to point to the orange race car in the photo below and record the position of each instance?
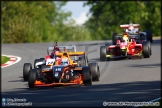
(64, 72)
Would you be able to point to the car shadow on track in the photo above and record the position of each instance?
(21, 80)
(93, 95)
(112, 59)
(146, 65)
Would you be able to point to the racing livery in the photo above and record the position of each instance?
(66, 72)
(42, 61)
(127, 46)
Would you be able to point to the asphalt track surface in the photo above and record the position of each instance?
(132, 80)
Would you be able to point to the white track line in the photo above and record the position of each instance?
(9, 63)
(155, 99)
(150, 101)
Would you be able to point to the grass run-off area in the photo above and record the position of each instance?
(4, 59)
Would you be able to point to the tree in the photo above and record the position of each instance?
(30, 21)
(108, 15)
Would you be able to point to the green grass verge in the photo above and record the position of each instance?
(4, 59)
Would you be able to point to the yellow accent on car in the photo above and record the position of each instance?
(123, 48)
(108, 55)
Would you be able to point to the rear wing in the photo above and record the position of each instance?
(71, 54)
(127, 25)
(73, 47)
(76, 53)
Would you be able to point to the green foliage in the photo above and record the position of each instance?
(45, 21)
(108, 15)
(25, 21)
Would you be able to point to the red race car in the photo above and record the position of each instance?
(132, 29)
(127, 46)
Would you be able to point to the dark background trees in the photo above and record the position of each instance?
(108, 15)
(44, 21)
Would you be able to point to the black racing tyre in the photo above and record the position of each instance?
(26, 68)
(86, 76)
(150, 50)
(32, 78)
(103, 53)
(114, 38)
(95, 71)
(149, 35)
(146, 49)
(83, 60)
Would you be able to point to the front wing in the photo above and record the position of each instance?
(116, 57)
(41, 84)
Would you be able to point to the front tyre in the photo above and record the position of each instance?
(95, 71)
(32, 78)
(146, 49)
(103, 53)
(86, 76)
(149, 35)
(26, 68)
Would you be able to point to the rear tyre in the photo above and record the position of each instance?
(95, 71)
(150, 50)
(86, 76)
(149, 35)
(146, 49)
(32, 78)
(26, 68)
(114, 38)
(103, 53)
(83, 60)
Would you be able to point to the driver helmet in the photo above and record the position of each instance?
(56, 48)
(64, 61)
(130, 28)
(65, 55)
(125, 38)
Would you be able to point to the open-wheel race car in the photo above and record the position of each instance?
(131, 29)
(130, 45)
(51, 51)
(64, 72)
